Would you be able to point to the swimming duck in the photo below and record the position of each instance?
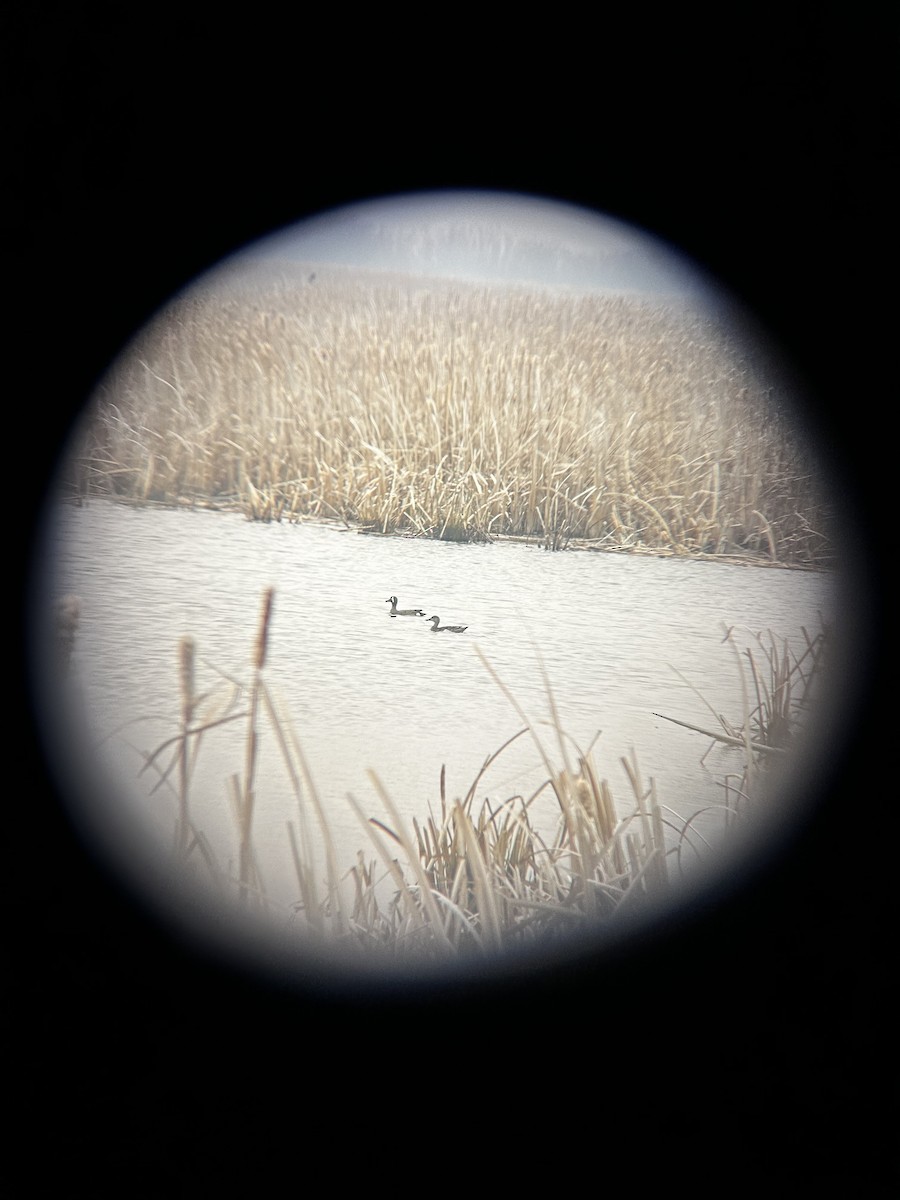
(437, 627)
(403, 612)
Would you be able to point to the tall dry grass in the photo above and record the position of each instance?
(458, 411)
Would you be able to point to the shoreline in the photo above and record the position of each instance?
(361, 528)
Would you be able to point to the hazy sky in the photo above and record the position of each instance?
(487, 236)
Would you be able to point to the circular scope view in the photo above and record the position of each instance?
(445, 580)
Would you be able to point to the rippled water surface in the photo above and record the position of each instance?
(621, 638)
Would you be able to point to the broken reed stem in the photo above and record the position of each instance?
(726, 739)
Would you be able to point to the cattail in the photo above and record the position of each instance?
(262, 640)
(186, 650)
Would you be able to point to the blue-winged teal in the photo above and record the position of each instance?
(437, 627)
(403, 612)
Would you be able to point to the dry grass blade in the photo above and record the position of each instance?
(724, 738)
(484, 890)
(292, 756)
(402, 837)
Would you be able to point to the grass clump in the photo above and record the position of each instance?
(778, 686)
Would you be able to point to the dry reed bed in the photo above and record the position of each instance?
(457, 411)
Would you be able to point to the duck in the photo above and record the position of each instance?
(403, 612)
(437, 627)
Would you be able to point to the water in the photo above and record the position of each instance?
(621, 638)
